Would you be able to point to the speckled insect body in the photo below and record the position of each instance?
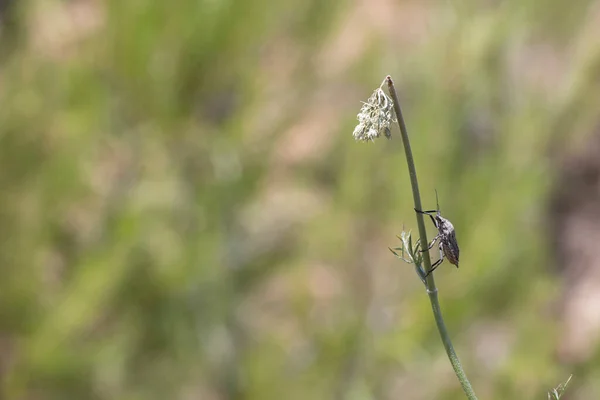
(446, 238)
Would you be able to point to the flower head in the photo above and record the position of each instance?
(375, 117)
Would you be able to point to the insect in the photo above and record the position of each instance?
(446, 237)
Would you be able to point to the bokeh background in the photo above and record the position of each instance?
(185, 215)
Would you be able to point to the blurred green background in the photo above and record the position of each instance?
(185, 215)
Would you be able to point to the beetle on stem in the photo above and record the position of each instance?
(446, 237)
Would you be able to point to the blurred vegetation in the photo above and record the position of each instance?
(185, 214)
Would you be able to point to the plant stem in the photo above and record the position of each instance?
(429, 282)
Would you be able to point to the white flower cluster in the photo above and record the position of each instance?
(375, 117)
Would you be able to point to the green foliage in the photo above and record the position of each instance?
(558, 391)
(184, 212)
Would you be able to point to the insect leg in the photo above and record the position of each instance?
(426, 212)
(430, 216)
(434, 266)
(437, 263)
(431, 244)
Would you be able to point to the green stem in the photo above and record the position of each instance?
(429, 282)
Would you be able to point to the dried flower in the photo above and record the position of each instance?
(375, 117)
